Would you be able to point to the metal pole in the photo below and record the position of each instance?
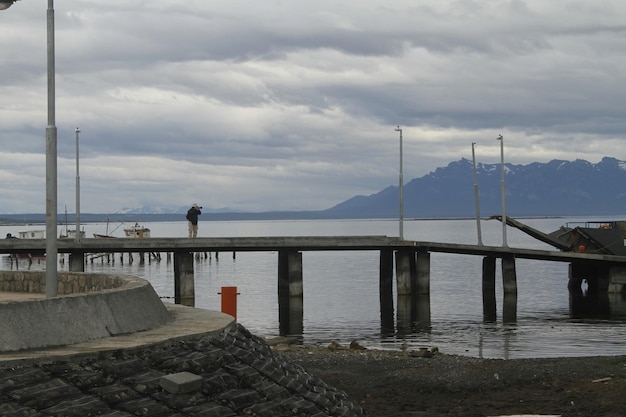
(77, 191)
(51, 167)
(401, 187)
(501, 139)
(476, 201)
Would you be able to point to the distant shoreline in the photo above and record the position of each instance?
(39, 219)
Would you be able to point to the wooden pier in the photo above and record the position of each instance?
(603, 273)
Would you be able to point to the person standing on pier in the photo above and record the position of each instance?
(192, 216)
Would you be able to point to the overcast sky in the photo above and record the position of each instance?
(292, 104)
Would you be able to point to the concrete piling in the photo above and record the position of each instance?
(290, 291)
(386, 289)
(77, 262)
(403, 271)
(423, 272)
(184, 285)
(290, 273)
(509, 276)
(489, 289)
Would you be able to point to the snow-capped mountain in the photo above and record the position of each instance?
(556, 188)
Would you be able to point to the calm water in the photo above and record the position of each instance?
(341, 289)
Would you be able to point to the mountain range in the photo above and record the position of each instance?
(555, 188)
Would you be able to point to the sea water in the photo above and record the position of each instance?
(341, 295)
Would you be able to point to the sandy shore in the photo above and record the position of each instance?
(393, 384)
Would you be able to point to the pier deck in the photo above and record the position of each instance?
(299, 243)
(410, 260)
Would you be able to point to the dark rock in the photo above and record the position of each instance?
(240, 375)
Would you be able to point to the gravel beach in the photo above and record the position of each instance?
(394, 384)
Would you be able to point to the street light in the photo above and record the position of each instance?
(77, 238)
(51, 159)
(401, 186)
(5, 4)
(476, 200)
(501, 139)
(51, 167)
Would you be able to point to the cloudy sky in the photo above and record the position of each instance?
(292, 104)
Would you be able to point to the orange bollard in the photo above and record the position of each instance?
(229, 301)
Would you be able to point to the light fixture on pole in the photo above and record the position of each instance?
(401, 186)
(77, 191)
(51, 159)
(501, 139)
(5, 4)
(476, 201)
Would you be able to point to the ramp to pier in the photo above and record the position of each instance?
(537, 234)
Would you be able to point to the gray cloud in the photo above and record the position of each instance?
(286, 105)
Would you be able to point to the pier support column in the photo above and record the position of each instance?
(597, 276)
(413, 287)
(184, 284)
(576, 277)
(592, 299)
(509, 276)
(617, 279)
(423, 273)
(509, 286)
(290, 292)
(386, 290)
(290, 273)
(421, 292)
(489, 289)
(403, 271)
(77, 262)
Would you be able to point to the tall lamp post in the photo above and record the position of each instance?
(51, 159)
(77, 238)
(501, 139)
(476, 200)
(51, 167)
(401, 186)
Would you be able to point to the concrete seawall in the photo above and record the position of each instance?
(91, 306)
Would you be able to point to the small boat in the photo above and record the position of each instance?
(99, 236)
(32, 234)
(71, 234)
(107, 235)
(137, 231)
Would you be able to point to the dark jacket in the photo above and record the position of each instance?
(192, 215)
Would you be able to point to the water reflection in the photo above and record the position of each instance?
(509, 308)
(413, 314)
(507, 334)
(597, 306)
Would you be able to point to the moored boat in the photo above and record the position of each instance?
(71, 234)
(137, 231)
(32, 234)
